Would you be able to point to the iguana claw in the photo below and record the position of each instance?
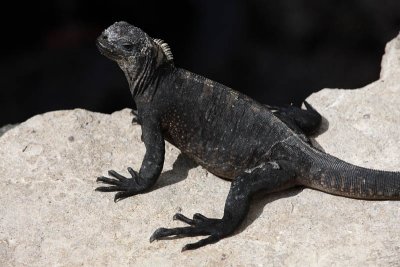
(199, 225)
(127, 186)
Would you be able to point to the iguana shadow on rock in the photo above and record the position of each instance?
(179, 172)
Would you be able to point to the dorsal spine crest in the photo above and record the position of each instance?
(165, 48)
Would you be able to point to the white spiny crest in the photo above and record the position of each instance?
(165, 48)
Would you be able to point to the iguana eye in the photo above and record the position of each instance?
(127, 46)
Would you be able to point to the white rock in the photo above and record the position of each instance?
(51, 215)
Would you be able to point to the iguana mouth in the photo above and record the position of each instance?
(106, 49)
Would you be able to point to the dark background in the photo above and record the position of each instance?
(277, 52)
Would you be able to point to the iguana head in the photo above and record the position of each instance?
(137, 54)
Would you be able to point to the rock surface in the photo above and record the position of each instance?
(7, 127)
(51, 215)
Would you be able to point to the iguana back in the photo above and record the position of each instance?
(221, 129)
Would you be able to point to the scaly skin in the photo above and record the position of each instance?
(227, 133)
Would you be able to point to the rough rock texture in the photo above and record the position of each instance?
(51, 215)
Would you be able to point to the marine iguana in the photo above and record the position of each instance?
(226, 132)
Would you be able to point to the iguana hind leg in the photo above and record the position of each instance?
(306, 121)
(267, 177)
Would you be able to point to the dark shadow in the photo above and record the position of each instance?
(260, 200)
(179, 172)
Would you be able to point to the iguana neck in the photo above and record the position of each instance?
(144, 87)
(138, 76)
(140, 72)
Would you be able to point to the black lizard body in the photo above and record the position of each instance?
(227, 133)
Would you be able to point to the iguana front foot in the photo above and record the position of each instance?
(199, 226)
(135, 118)
(127, 186)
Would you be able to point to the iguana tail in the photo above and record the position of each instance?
(332, 175)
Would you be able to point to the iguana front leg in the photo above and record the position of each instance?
(267, 177)
(149, 172)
